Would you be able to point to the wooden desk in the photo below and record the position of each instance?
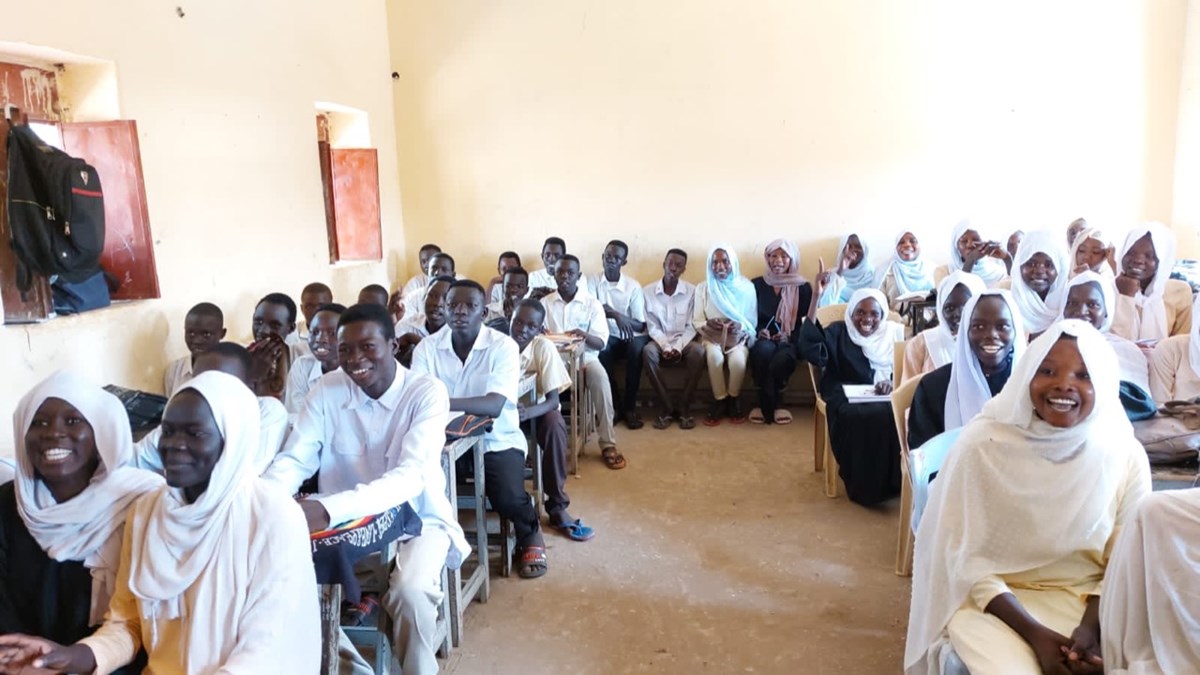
(579, 422)
(477, 586)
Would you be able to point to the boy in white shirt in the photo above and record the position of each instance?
(514, 288)
(541, 359)
(572, 311)
(203, 327)
(508, 260)
(625, 308)
(375, 431)
(481, 369)
(541, 282)
(322, 357)
(669, 306)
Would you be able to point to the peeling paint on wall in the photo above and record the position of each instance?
(38, 87)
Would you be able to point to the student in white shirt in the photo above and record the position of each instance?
(625, 308)
(540, 359)
(373, 293)
(515, 288)
(508, 260)
(572, 311)
(541, 282)
(274, 319)
(440, 265)
(375, 431)
(313, 296)
(421, 280)
(417, 327)
(323, 357)
(232, 359)
(203, 327)
(670, 302)
(481, 368)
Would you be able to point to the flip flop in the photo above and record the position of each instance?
(783, 417)
(687, 422)
(663, 421)
(533, 562)
(756, 416)
(576, 530)
(613, 458)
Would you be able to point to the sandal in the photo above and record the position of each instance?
(633, 420)
(576, 530)
(533, 562)
(613, 458)
(783, 417)
(687, 422)
(663, 421)
(360, 614)
(756, 416)
(733, 409)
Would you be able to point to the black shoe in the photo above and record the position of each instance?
(633, 420)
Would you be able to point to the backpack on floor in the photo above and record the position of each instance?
(55, 211)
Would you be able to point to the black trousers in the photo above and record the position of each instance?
(624, 400)
(772, 365)
(504, 485)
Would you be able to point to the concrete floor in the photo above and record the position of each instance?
(716, 552)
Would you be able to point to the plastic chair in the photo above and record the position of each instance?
(926, 461)
(902, 398)
(820, 421)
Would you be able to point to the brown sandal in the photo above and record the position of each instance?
(613, 458)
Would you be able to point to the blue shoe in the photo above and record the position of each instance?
(576, 530)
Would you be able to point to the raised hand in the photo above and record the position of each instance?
(396, 307)
(825, 277)
(1127, 285)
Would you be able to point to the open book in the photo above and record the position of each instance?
(863, 393)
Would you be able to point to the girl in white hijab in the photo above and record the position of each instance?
(853, 271)
(1094, 251)
(1023, 514)
(1150, 610)
(216, 574)
(1090, 296)
(63, 516)
(934, 347)
(989, 260)
(859, 351)
(906, 272)
(1175, 365)
(991, 340)
(1151, 306)
(1039, 276)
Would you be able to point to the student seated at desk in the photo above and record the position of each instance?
(203, 327)
(933, 348)
(621, 297)
(1090, 297)
(373, 294)
(906, 273)
(375, 431)
(853, 271)
(311, 298)
(991, 340)
(540, 358)
(1012, 548)
(1149, 611)
(541, 282)
(421, 279)
(860, 350)
(1151, 306)
(215, 572)
(417, 327)
(1014, 242)
(508, 260)
(572, 311)
(62, 519)
(1039, 279)
(515, 288)
(1175, 365)
(440, 265)
(670, 303)
(323, 357)
(1076, 228)
(274, 319)
(232, 359)
(481, 369)
(971, 254)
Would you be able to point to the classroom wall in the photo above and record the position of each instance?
(686, 122)
(224, 99)
(1186, 212)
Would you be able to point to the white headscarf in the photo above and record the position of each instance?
(173, 542)
(1096, 233)
(1037, 313)
(1154, 312)
(968, 391)
(990, 270)
(879, 347)
(910, 275)
(90, 526)
(1131, 362)
(1008, 470)
(939, 340)
(733, 295)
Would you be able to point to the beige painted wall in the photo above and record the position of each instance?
(1186, 214)
(683, 122)
(224, 102)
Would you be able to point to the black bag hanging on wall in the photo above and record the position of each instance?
(55, 211)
